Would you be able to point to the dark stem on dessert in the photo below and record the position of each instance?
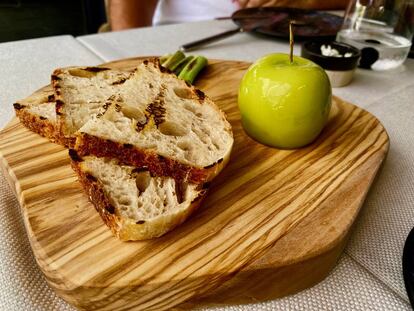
(291, 42)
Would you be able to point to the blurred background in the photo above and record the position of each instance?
(25, 19)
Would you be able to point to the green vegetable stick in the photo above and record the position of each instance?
(182, 64)
(164, 58)
(191, 70)
(173, 60)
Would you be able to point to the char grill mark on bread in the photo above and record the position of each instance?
(18, 106)
(74, 156)
(156, 109)
(120, 81)
(96, 69)
(59, 104)
(200, 94)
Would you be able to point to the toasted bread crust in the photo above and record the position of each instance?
(35, 123)
(158, 165)
(123, 229)
(96, 195)
(43, 127)
(40, 124)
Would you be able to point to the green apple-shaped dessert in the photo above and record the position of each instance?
(284, 101)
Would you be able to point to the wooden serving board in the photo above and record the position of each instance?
(275, 221)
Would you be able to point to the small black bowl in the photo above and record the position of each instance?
(312, 50)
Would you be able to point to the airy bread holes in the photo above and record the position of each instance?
(109, 114)
(80, 102)
(125, 201)
(172, 129)
(77, 72)
(151, 146)
(181, 191)
(188, 148)
(184, 93)
(189, 155)
(133, 113)
(42, 99)
(205, 131)
(142, 181)
(190, 107)
(184, 145)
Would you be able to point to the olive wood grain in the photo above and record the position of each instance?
(275, 221)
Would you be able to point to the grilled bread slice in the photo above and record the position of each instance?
(151, 118)
(131, 202)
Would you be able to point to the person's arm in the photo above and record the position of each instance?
(124, 14)
(303, 4)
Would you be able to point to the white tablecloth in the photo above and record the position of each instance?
(368, 276)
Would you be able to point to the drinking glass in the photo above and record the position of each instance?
(381, 29)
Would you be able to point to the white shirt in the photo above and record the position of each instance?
(179, 11)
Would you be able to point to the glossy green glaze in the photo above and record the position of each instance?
(282, 104)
